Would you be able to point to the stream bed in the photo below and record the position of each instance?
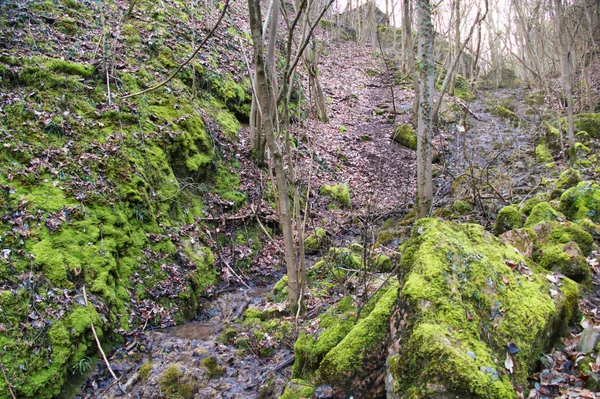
(197, 359)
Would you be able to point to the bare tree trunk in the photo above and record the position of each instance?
(410, 58)
(265, 100)
(424, 135)
(311, 60)
(567, 81)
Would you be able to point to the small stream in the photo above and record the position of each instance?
(239, 373)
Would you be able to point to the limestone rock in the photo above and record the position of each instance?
(588, 340)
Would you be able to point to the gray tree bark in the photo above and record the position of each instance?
(424, 135)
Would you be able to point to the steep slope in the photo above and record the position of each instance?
(102, 192)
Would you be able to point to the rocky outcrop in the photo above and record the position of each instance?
(472, 314)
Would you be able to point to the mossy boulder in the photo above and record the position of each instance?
(464, 296)
(522, 239)
(405, 135)
(462, 207)
(508, 218)
(563, 233)
(315, 241)
(339, 194)
(542, 212)
(349, 258)
(542, 153)
(346, 350)
(355, 366)
(176, 382)
(214, 369)
(530, 204)
(582, 201)
(567, 259)
(567, 179)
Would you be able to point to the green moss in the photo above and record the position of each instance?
(144, 372)
(461, 207)
(335, 323)
(339, 193)
(508, 218)
(174, 383)
(563, 233)
(280, 290)
(70, 68)
(405, 135)
(582, 201)
(530, 204)
(542, 212)
(227, 183)
(463, 303)
(346, 359)
(382, 263)
(542, 153)
(212, 366)
(315, 241)
(349, 258)
(589, 123)
(298, 389)
(568, 179)
(567, 259)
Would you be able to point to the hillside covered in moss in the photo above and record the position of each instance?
(102, 192)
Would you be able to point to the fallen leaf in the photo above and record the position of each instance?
(508, 363)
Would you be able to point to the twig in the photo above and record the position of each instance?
(112, 373)
(186, 61)
(7, 382)
(235, 274)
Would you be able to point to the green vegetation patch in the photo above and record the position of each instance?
(339, 194)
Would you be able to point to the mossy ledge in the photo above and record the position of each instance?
(461, 303)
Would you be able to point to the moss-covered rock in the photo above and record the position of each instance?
(464, 296)
(542, 153)
(568, 179)
(530, 204)
(339, 194)
(298, 389)
(280, 290)
(582, 201)
(214, 369)
(567, 259)
(315, 241)
(349, 258)
(355, 364)
(107, 206)
(406, 136)
(563, 233)
(542, 212)
(461, 207)
(508, 218)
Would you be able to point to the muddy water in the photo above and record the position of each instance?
(185, 347)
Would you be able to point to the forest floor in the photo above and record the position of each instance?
(489, 166)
